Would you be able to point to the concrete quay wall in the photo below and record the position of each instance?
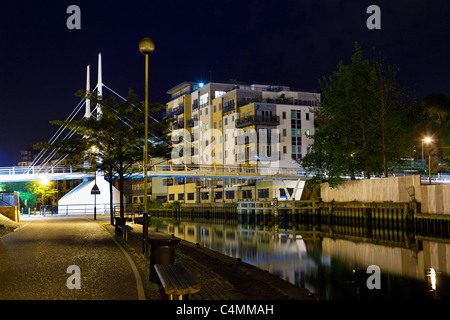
(434, 199)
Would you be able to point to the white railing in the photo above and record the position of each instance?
(229, 169)
(35, 170)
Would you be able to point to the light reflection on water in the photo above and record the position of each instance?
(330, 267)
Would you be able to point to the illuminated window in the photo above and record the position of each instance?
(204, 99)
(218, 94)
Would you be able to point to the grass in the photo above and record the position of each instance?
(5, 230)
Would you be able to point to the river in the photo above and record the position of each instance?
(333, 267)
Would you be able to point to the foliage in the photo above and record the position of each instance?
(360, 123)
(30, 191)
(436, 120)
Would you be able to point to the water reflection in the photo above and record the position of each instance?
(330, 266)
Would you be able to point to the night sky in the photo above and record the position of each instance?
(293, 43)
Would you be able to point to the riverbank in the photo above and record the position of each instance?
(7, 225)
(221, 277)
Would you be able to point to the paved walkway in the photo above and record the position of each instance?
(35, 259)
(34, 262)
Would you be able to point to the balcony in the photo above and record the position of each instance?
(178, 110)
(191, 122)
(168, 114)
(257, 120)
(178, 124)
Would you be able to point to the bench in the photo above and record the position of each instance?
(125, 229)
(176, 280)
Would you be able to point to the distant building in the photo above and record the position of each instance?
(27, 157)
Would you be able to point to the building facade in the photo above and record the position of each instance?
(264, 128)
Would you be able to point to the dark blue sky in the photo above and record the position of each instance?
(294, 43)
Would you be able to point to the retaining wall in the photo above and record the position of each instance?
(434, 199)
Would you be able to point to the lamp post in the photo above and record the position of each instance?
(429, 168)
(146, 46)
(427, 140)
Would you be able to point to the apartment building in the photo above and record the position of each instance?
(259, 127)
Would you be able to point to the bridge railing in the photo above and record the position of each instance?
(37, 170)
(260, 170)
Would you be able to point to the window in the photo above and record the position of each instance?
(172, 196)
(226, 121)
(283, 192)
(284, 114)
(284, 132)
(307, 132)
(190, 196)
(229, 105)
(263, 193)
(292, 114)
(246, 194)
(181, 196)
(218, 94)
(204, 99)
(307, 116)
(284, 149)
(214, 108)
(293, 132)
(229, 194)
(205, 195)
(218, 195)
(293, 149)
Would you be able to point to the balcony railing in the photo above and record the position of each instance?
(168, 114)
(191, 122)
(257, 120)
(178, 125)
(178, 110)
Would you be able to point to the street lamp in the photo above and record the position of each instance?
(146, 46)
(427, 140)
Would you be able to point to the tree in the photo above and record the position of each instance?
(113, 142)
(390, 114)
(30, 191)
(358, 122)
(436, 115)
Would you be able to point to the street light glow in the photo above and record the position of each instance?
(427, 140)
